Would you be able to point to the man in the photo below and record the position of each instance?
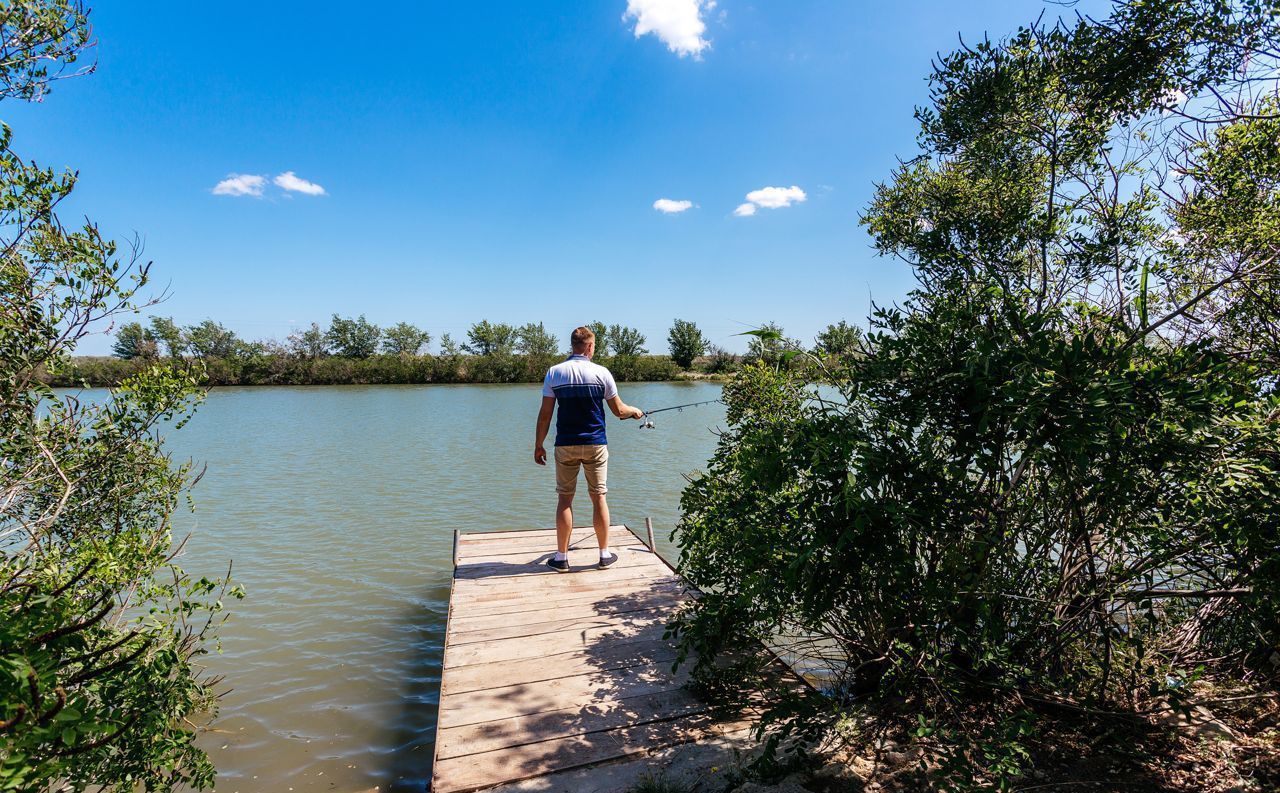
(577, 391)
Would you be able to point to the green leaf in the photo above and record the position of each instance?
(1142, 295)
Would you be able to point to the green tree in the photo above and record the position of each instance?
(405, 339)
(625, 341)
(44, 39)
(686, 343)
(533, 339)
(602, 338)
(839, 339)
(353, 338)
(309, 343)
(485, 338)
(134, 341)
(1062, 431)
(210, 339)
(99, 628)
(770, 345)
(720, 360)
(165, 331)
(448, 347)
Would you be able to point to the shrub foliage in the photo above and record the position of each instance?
(100, 630)
(1050, 478)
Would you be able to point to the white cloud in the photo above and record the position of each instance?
(668, 206)
(294, 184)
(677, 22)
(776, 197)
(770, 198)
(241, 184)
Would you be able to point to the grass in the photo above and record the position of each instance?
(659, 784)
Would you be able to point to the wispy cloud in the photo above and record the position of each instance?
(295, 184)
(252, 184)
(770, 198)
(678, 23)
(241, 184)
(669, 206)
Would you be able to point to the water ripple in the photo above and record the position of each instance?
(338, 506)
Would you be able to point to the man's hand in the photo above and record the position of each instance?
(539, 455)
(636, 413)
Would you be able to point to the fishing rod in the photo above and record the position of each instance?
(647, 424)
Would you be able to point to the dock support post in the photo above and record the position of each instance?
(648, 527)
(455, 548)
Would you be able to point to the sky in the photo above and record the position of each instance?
(623, 161)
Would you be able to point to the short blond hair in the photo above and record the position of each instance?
(581, 337)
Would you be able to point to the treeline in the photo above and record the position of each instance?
(379, 369)
(356, 351)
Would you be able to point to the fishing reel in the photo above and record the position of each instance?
(646, 423)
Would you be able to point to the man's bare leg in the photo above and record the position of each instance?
(564, 522)
(600, 519)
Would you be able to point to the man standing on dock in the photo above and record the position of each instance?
(580, 389)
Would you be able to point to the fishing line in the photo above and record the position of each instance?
(647, 424)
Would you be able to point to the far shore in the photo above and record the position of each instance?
(391, 369)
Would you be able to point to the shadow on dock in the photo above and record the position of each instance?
(551, 672)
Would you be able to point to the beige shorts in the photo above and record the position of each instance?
(594, 460)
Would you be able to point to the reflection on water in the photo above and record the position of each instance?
(338, 506)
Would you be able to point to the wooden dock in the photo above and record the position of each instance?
(546, 672)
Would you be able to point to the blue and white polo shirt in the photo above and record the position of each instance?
(580, 388)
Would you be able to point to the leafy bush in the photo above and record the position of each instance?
(720, 361)
(1050, 479)
(100, 631)
(641, 368)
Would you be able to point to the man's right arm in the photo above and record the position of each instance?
(544, 426)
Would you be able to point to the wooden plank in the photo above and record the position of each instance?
(579, 562)
(560, 582)
(577, 720)
(509, 534)
(588, 554)
(588, 535)
(517, 603)
(477, 771)
(575, 624)
(584, 580)
(616, 530)
(522, 699)
(599, 607)
(500, 534)
(547, 644)
(532, 548)
(473, 677)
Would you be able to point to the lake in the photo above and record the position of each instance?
(338, 506)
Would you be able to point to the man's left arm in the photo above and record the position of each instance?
(624, 411)
(620, 409)
(544, 426)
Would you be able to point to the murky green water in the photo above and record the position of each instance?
(338, 506)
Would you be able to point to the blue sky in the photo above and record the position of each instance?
(501, 160)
